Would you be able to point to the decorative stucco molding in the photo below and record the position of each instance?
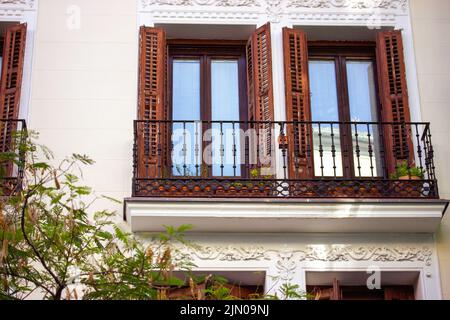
(219, 3)
(362, 12)
(285, 265)
(366, 253)
(350, 4)
(330, 253)
(15, 10)
(227, 253)
(17, 3)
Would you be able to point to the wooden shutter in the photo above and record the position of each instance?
(332, 293)
(298, 106)
(394, 98)
(11, 81)
(260, 85)
(152, 72)
(399, 293)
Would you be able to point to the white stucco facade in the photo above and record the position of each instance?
(80, 93)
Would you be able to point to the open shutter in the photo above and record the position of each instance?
(332, 293)
(260, 89)
(394, 98)
(11, 81)
(298, 106)
(152, 71)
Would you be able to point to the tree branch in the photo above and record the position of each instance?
(28, 241)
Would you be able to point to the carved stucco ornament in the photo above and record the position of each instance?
(366, 253)
(24, 3)
(353, 4)
(333, 253)
(221, 3)
(275, 5)
(226, 253)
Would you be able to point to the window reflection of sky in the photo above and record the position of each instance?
(361, 91)
(324, 101)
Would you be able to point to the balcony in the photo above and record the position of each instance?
(12, 133)
(235, 159)
(232, 176)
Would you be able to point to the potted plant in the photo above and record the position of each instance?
(404, 172)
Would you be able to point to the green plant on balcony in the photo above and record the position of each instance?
(406, 172)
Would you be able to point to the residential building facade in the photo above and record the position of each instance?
(304, 140)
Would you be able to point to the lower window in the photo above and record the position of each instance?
(361, 285)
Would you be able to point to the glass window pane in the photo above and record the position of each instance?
(324, 107)
(186, 137)
(363, 108)
(225, 107)
(186, 90)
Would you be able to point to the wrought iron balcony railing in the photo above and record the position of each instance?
(12, 134)
(283, 159)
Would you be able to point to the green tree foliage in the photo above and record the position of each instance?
(53, 246)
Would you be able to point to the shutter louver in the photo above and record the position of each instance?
(260, 87)
(394, 98)
(399, 293)
(298, 107)
(332, 293)
(11, 81)
(152, 70)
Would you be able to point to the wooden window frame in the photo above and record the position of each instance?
(336, 291)
(340, 52)
(206, 51)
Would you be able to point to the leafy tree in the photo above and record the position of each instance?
(53, 248)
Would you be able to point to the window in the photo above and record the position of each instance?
(243, 285)
(196, 86)
(352, 285)
(194, 96)
(330, 85)
(343, 89)
(11, 67)
(208, 84)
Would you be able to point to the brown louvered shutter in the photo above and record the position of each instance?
(298, 106)
(152, 70)
(11, 81)
(394, 98)
(260, 87)
(332, 293)
(399, 293)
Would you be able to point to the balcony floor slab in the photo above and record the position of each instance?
(286, 215)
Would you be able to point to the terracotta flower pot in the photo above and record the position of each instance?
(409, 178)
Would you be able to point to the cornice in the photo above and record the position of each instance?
(15, 9)
(19, 4)
(358, 11)
(217, 3)
(350, 4)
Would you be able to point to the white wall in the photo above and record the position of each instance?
(84, 81)
(84, 86)
(431, 28)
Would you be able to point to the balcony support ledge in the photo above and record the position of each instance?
(286, 215)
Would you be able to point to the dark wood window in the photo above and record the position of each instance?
(343, 292)
(11, 65)
(342, 79)
(207, 85)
